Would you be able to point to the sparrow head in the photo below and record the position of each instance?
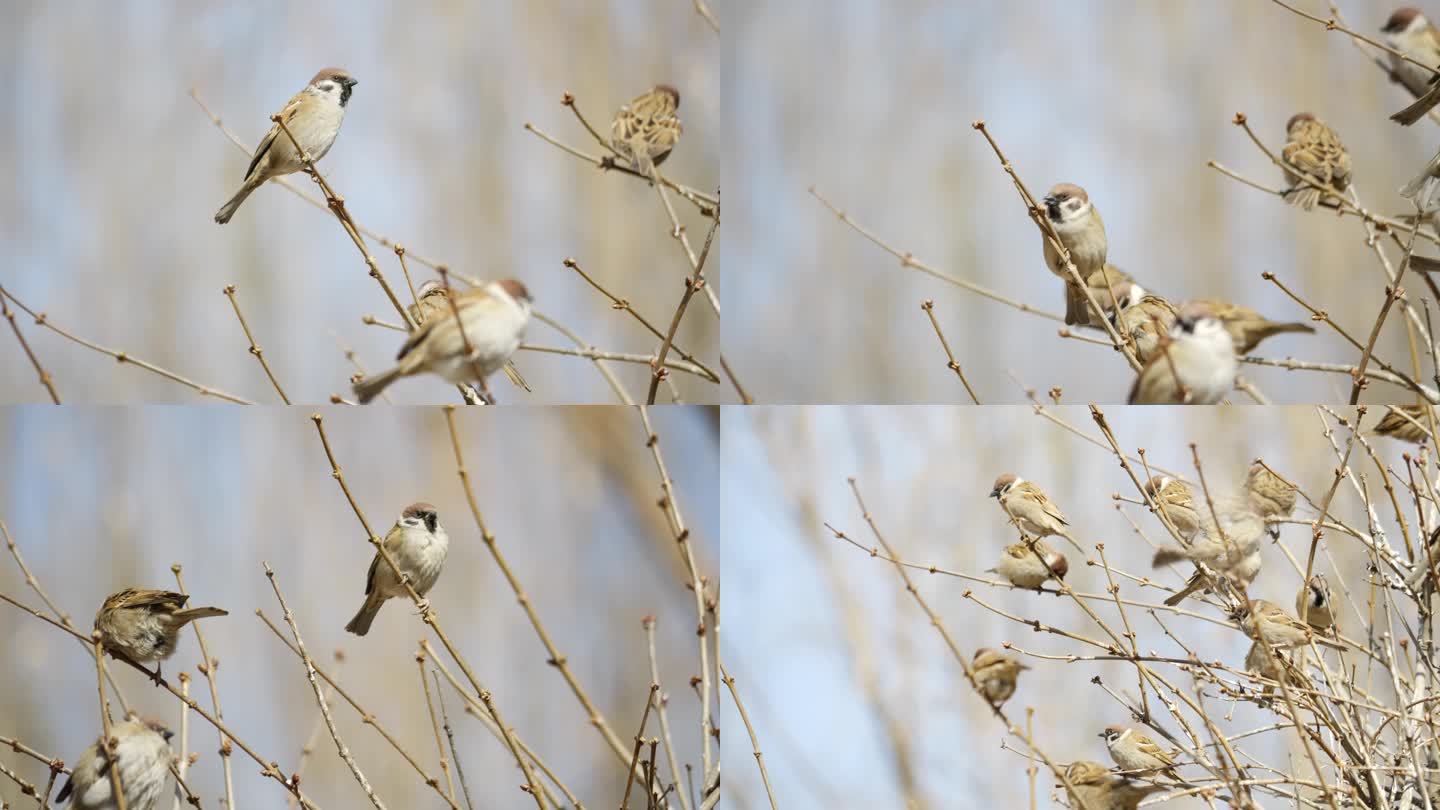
(157, 727)
(1404, 20)
(1128, 294)
(671, 92)
(1319, 590)
(1065, 202)
(513, 290)
(1113, 733)
(420, 514)
(1058, 564)
(431, 287)
(1003, 484)
(334, 80)
(1156, 484)
(1198, 320)
(1297, 118)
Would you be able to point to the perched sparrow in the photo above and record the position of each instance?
(143, 751)
(1082, 232)
(646, 129)
(494, 318)
(1400, 422)
(418, 544)
(1027, 568)
(1279, 629)
(433, 299)
(1313, 601)
(1027, 504)
(1233, 552)
(1199, 352)
(1133, 751)
(1145, 316)
(1093, 786)
(1102, 283)
(144, 625)
(1248, 327)
(996, 674)
(1408, 32)
(1313, 150)
(313, 116)
(1281, 667)
(1271, 496)
(1173, 498)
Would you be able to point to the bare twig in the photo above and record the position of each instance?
(45, 378)
(254, 347)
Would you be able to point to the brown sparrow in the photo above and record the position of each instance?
(1271, 496)
(1082, 232)
(144, 625)
(996, 674)
(1093, 786)
(1248, 327)
(1281, 667)
(1315, 151)
(1314, 602)
(1137, 753)
(418, 545)
(1278, 628)
(1027, 504)
(434, 298)
(1145, 316)
(1408, 32)
(1027, 568)
(1400, 422)
(313, 116)
(1173, 498)
(1101, 284)
(143, 751)
(647, 129)
(1196, 366)
(1234, 554)
(494, 319)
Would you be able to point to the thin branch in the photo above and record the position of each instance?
(254, 347)
(45, 378)
(929, 307)
(755, 741)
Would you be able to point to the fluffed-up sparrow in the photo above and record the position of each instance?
(1248, 327)
(313, 116)
(1313, 603)
(433, 299)
(1196, 366)
(1025, 567)
(1082, 232)
(418, 545)
(1231, 546)
(1094, 787)
(1137, 753)
(1145, 316)
(1276, 626)
(1173, 498)
(143, 750)
(646, 130)
(1312, 149)
(493, 318)
(1272, 497)
(1408, 32)
(144, 625)
(996, 674)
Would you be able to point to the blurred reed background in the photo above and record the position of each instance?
(102, 499)
(116, 173)
(862, 704)
(872, 104)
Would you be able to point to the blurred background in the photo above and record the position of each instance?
(855, 698)
(872, 104)
(101, 499)
(116, 174)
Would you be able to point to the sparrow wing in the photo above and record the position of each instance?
(288, 114)
(170, 600)
(370, 576)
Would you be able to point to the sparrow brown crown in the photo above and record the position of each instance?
(669, 91)
(418, 509)
(515, 289)
(340, 75)
(1001, 483)
(1297, 118)
(1401, 19)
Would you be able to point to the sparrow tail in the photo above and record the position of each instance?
(1077, 309)
(1280, 328)
(187, 616)
(1419, 107)
(370, 387)
(228, 209)
(1304, 196)
(1166, 556)
(360, 625)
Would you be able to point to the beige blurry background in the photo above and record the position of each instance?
(115, 174)
(855, 698)
(872, 103)
(100, 499)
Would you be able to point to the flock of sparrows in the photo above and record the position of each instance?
(1189, 353)
(1223, 542)
(143, 626)
(475, 332)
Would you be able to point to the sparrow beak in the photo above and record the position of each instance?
(167, 734)
(995, 493)
(1052, 207)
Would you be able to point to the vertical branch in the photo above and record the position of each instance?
(45, 378)
(435, 723)
(207, 668)
(450, 735)
(755, 741)
(929, 307)
(108, 743)
(692, 283)
(254, 347)
(661, 700)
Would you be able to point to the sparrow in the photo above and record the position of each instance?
(1093, 786)
(1144, 316)
(1082, 232)
(1199, 352)
(1248, 327)
(418, 545)
(1314, 150)
(1278, 628)
(1271, 496)
(1135, 752)
(1400, 422)
(1313, 602)
(144, 625)
(996, 674)
(1276, 669)
(313, 116)
(434, 298)
(647, 129)
(494, 319)
(1408, 32)
(1027, 568)
(143, 751)
(1027, 504)
(1101, 284)
(1233, 553)
(1424, 188)
(1174, 500)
